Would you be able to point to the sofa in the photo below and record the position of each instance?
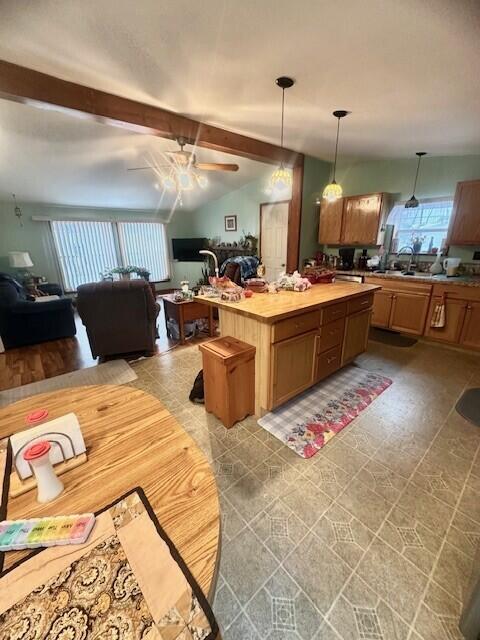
(24, 321)
(120, 317)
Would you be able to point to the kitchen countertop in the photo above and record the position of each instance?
(465, 281)
(271, 307)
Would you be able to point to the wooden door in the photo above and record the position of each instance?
(454, 319)
(293, 363)
(382, 308)
(361, 219)
(356, 335)
(273, 237)
(465, 223)
(330, 224)
(471, 327)
(409, 312)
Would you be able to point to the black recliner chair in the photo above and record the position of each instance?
(24, 321)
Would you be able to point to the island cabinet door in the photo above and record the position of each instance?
(293, 364)
(356, 335)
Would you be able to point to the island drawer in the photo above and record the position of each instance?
(331, 335)
(333, 312)
(360, 303)
(295, 326)
(328, 362)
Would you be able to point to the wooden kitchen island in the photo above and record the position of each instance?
(300, 338)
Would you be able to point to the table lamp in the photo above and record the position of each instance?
(22, 261)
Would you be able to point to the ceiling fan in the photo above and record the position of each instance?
(182, 160)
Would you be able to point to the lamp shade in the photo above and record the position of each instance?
(20, 259)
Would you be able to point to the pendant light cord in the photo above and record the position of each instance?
(283, 110)
(336, 150)
(416, 175)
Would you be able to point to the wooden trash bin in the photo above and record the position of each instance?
(229, 379)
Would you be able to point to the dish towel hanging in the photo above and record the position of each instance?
(438, 315)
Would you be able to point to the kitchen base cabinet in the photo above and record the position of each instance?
(401, 306)
(454, 317)
(470, 336)
(409, 312)
(356, 335)
(382, 309)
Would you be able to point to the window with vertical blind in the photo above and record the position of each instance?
(145, 244)
(87, 249)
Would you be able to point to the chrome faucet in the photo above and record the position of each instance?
(412, 256)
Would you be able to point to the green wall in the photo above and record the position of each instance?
(438, 177)
(36, 238)
(316, 175)
(245, 204)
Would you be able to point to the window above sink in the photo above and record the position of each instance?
(423, 228)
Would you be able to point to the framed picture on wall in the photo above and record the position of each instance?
(230, 223)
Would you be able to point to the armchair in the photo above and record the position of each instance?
(120, 316)
(24, 321)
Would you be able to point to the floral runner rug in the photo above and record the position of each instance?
(126, 582)
(309, 421)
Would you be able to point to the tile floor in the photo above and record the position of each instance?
(372, 538)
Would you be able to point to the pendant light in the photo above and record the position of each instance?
(281, 178)
(333, 191)
(413, 202)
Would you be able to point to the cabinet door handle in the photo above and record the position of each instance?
(329, 360)
(362, 304)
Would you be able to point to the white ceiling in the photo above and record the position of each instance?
(407, 69)
(51, 157)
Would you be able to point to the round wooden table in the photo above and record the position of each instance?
(132, 440)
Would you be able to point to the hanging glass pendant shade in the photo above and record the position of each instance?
(281, 178)
(413, 202)
(333, 190)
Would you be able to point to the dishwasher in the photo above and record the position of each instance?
(348, 277)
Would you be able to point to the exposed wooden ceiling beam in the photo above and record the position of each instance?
(39, 89)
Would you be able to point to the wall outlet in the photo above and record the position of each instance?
(476, 255)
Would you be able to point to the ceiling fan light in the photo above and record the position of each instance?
(185, 182)
(202, 181)
(281, 179)
(332, 192)
(169, 183)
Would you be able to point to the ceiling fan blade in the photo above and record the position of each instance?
(215, 166)
(158, 166)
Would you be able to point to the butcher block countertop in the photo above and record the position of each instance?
(270, 307)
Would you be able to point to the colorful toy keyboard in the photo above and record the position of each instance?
(45, 532)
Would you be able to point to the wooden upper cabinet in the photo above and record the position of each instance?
(361, 219)
(330, 224)
(465, 223)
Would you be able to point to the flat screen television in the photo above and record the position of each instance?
(187, 249)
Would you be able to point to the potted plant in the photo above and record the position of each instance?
(123, 272)
(142, 273)
(417, 242)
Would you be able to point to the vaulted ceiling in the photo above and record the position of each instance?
(56, 158)
(408, 70)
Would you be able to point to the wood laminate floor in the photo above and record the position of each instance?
(48, 359)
